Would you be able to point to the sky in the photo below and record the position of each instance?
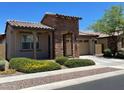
(33, 12)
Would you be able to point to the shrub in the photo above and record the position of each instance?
(78, 63)
(61, 60)
(107, 53)
(120, 54)
(2, 64)
(27, 65)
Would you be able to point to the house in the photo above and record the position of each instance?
(107, 41)
(2, 38)
(2, 45)
(55, 35)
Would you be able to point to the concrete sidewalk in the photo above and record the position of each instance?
(43, 74)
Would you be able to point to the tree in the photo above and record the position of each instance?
(111, 23)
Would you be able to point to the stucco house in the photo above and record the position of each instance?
(53, 36)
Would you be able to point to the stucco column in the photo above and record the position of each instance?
(91, 48)
(34, 45)
(75, 46)
(119, 45)
(51, 45)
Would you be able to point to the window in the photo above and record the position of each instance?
(86, 41)
(27, 41)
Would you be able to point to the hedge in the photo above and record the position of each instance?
(120, 54)
(78, 63)
(61, 60)
(2, 64)
(107, 53)
(27, 65)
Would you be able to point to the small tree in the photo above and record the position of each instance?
(111, 23)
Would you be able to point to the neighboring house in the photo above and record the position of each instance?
(2, 45)
(2, 38)
(107, 41)
(55, 35)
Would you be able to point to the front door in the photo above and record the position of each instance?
(67, 45)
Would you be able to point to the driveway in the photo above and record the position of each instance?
(105, 61)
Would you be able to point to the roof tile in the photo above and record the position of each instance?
(29, 25)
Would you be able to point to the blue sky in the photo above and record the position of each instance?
(33, 12)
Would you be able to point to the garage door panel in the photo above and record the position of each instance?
(84, 47)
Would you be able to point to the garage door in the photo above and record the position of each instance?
(84, 47)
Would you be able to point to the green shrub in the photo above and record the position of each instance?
(2, 64)
(120, 54)
(61, 60)
(78, 63)
(107, 53)
(27, 65)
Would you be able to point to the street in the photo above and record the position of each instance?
(111, 83)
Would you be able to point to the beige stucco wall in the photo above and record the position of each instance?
(10, 48)
(2, 51)
(104, 42)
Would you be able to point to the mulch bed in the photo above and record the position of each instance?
(54, 78)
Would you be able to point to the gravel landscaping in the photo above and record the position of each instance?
(54, 78)
(15, 74)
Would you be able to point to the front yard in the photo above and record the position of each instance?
(18, 66)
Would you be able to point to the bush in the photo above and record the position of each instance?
(107, 53)
(78, 63)
(120, 54)
(2, 64)
(61, 60)
(27, 65)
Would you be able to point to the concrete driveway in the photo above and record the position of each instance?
(105, 61)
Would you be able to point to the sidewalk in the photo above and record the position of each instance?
(43, 78)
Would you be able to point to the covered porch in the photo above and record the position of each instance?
(30, 40)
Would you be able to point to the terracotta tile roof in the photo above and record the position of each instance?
(100, 35)
(89, 34)
(29, 25)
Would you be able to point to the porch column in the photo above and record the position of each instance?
(91, 46)
(119, 45)
(51, 45)
(34, 45)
